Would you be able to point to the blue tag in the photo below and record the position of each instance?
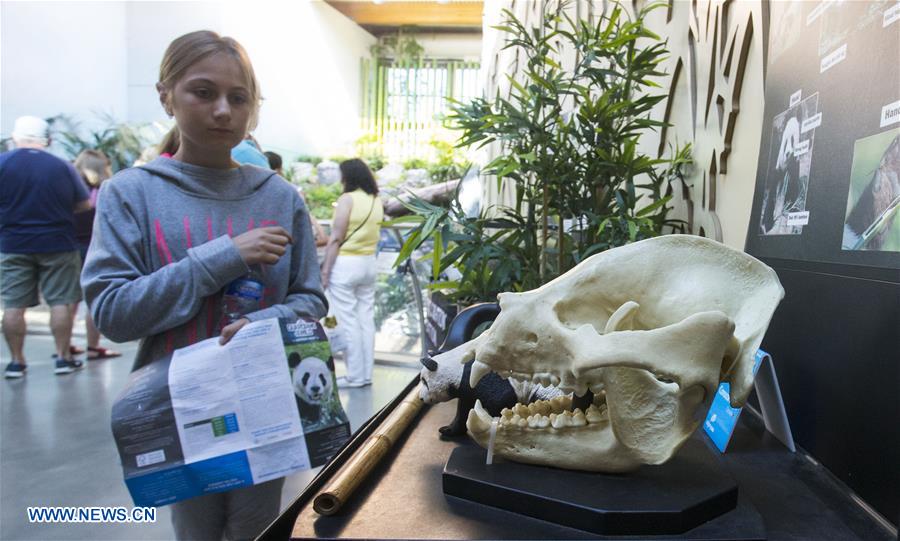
(245, 288)
(722, 418)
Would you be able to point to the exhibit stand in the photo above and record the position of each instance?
(759, 489)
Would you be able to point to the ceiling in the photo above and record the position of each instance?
(384, 16)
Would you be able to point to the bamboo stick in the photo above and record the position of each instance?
(358, 467)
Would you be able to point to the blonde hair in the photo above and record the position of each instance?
(170, 142)
(93, 166)
(187, 50)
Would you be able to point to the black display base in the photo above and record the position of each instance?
(669, 500)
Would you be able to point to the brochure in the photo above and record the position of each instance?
(215, 418)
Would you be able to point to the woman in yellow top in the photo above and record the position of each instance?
(348, 272)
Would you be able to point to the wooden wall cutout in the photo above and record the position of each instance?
(710, 43)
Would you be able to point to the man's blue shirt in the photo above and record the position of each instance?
(38, 194)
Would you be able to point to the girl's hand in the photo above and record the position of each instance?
(231, 329)
(324, 280)
(262, 245)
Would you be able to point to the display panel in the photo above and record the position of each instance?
(828, 180)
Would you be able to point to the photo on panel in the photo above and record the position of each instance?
(874, 196)
(787, 174)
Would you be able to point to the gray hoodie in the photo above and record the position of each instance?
(161, 253)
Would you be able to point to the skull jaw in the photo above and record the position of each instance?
(588, 448)
(624, 438)
(648, 417)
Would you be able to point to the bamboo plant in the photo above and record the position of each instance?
(568, 140)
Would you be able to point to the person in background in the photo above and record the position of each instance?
(94, 168)
(39, 196)
(247, 151)
(348, 272)
(275, 164)
(170, 235)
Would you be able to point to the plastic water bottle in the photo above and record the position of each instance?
(243, 295)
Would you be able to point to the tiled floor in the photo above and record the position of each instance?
(56, 448)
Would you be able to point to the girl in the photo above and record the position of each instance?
(171, 234)
(94, 168)
(349, 268)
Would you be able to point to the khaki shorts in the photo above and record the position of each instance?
(56, 274)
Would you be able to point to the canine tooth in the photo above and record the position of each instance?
(543, 421)
(557, 421)
(476, 422)
(578, 419)
(479, 370)
(482, 413)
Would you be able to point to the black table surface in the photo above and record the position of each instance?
(403, 497)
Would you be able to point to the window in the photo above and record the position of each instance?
(404, 102)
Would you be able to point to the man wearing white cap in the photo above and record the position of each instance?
(39, 194)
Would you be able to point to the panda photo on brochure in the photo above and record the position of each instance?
(325, 424)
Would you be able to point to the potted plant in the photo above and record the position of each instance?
(568, 143)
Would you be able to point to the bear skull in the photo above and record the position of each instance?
(650, 329)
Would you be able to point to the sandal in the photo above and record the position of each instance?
(75, 350)
(98, 353)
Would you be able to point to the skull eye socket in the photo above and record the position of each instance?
(575, 313)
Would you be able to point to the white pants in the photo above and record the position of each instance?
(351, 295)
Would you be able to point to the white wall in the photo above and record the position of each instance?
(62, 57)
(306, 56)
(458, 46)
(80, 57)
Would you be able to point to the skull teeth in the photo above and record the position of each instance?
(550, 413)
(565, 381)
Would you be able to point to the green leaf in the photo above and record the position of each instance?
(436, 256)
(650, 209)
